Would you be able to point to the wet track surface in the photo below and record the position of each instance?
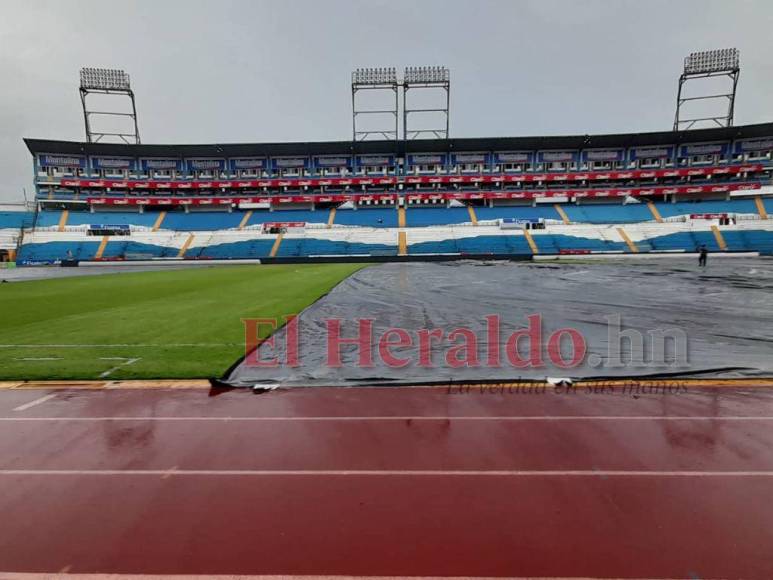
(388, 482)
(721, 316)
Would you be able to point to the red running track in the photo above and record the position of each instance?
(388, 482)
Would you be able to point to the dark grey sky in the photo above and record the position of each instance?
(207, 71)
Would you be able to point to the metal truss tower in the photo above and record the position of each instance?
(432, 78)
(111, 82)
(703, 65)
(375, 79)
(414, 79)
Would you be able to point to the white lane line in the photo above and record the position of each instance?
(170, 473)
(36, 358)
(34, 403)
(401, 418)
(126, 363)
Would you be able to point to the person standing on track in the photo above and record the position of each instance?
(703, 255)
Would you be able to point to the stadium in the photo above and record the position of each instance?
(402, 354)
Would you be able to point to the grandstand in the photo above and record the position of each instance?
(420, 199)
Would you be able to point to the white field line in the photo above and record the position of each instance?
(173, 472)
(127, 362)
(34, 403)
(509, 418)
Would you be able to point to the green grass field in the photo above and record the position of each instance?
(160, 324)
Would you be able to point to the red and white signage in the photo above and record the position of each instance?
(411, 180)
(460, 195)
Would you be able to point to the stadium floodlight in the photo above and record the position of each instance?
(426, 74)
(106, 79)
(375, 76)
(710, 61)
(702, 65)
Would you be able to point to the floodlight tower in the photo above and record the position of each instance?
(427, 77)
(375, 79)
(107, 81)
(706, 64)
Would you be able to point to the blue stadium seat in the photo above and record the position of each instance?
(48, 218)
(319, 216)
(368, 217)
(690, 207)
(53, 251)
(13, 219)
(517, 212)
(250, 249)
(201, 221)
(418, 216)
(310, 246)
(608, 213)
(78, 218)
(434, 247)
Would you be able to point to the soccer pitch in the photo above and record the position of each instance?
(148, 325)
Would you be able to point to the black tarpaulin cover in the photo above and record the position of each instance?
(635, 319)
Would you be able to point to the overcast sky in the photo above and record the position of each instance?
(250, 71)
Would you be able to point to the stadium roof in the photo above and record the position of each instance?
(423, 145)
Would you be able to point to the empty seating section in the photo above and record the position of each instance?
(201, 221)
(436, 216)
(310, 246)
(690, 207)
(244, 250)
(373, 218)
(113, 218)
(118, 248)
(757, 240)
(510, 243)
(388, 218)
(53, 251)
(48, 218)
(608, 213)
(319, 216)
(13, 219)
(217, 235)
(548, 243)
(517, 211)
